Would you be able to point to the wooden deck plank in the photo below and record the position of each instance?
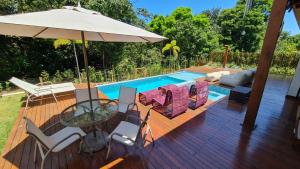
(210, 137)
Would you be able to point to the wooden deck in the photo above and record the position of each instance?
(205, 138)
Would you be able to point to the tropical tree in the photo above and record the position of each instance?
(244, 32)
(194, 33)
(173, 50)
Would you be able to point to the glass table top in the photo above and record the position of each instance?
(82, 114)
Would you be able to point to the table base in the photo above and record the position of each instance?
(92, 143)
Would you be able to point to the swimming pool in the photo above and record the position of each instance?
(144, 84)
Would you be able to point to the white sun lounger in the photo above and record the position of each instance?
(34, 91)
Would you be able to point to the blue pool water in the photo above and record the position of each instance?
(142, 85)
(217, 92)
(186, 75)
(145, 84)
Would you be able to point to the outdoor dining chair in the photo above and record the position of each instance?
(126, 100)
(34, 91)
(129, 134)
(82, 95)
(55, 142)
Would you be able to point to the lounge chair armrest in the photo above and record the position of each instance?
(123, 136)
(52, 125)
(61, 141)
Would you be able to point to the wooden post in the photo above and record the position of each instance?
(225, 55)
(269, 45)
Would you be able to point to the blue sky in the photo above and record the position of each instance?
(165, 7)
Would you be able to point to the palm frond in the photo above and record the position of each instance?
(166, 48)
(61, 42)
(173, 42)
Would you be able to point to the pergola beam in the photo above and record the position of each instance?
(265, 60)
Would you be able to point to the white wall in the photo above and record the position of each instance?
(295, 84)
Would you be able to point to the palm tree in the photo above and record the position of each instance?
(64, 42)
(173, 50)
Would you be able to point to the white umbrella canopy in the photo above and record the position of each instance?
(69, 22)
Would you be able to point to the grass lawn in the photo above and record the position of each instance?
(9, 109)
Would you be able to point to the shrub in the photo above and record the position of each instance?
(45, 76)
(58, 77)
(76, 80)
(154, 69)
(281, 59)
(83, 75)
(93, 76)
(7, 85)
(68, 75)
(99, 76)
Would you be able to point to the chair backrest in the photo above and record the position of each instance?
(83, 94)
(144, 122)
(35, 132)
(201, 87)
(127, 95)
(163, 89)
(202, 93)
(28, 87)
(178, 100)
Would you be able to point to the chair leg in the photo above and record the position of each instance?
(54, 97)
(26, 106)
(34, 154)
(80, 146)
(44, 159)
(43, 163)
(108, 150)
(151, 134)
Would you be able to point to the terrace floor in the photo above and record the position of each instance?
(210, 137)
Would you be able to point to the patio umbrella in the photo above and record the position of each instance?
(74, 23)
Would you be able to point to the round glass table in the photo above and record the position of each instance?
(83, 114)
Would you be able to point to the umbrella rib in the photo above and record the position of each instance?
(101, 36)
(40, 32)
(144, 39)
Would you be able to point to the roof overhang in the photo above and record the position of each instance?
(296, 9)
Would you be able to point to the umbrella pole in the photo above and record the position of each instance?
(87, 72)
(94, 141)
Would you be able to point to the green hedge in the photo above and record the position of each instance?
(281, 59)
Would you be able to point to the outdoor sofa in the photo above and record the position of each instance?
(238, 79)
